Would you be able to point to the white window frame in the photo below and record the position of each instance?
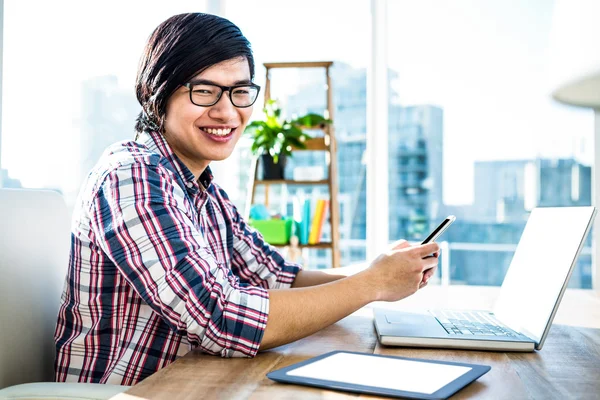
(596, 203)
(377, 134)
(1, 69)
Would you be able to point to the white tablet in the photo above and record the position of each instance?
(382, 375)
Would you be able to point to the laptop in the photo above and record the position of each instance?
(529, 297)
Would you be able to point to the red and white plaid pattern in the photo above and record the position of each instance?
(159, 266)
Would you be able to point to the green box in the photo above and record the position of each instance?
(274, 231)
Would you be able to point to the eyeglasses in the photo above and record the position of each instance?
(208, 94)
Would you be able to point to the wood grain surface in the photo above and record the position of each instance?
(568, 366)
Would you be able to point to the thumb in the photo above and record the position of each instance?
(400, 244)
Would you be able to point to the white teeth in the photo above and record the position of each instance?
(217, 132)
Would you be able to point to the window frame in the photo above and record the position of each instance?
(596, 203)
(377, 237)
(1, 77)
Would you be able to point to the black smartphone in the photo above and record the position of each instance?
(439, 230)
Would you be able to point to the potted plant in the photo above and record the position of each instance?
(274, 137)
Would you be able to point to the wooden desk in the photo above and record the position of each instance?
(567, 367)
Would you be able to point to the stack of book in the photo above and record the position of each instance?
(312, 228)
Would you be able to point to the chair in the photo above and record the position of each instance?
(34, 249)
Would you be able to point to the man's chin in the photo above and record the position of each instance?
(220, 156)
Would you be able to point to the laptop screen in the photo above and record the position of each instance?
(541, 267)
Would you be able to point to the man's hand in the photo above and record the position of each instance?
(402, 244)
(399, 272)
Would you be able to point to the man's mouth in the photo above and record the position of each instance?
(218, 132)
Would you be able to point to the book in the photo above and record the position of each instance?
(305, 222)
(322, 220)
(315, 228)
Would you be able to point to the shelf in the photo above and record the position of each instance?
(324, 245)
(315, 144)
(321, 139)
(290, 182)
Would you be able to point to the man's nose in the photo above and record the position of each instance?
(224, 108)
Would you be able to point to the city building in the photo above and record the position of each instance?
(484, 237)
(507, 190)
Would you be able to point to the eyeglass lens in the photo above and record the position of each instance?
(241, 96)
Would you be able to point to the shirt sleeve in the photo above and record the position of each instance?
(139, 215)
(255, 261)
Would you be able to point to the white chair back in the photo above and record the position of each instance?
(34, 251)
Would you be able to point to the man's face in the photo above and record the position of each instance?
(199, 135)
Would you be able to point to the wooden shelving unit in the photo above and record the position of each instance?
(326, 144)
(323, 245)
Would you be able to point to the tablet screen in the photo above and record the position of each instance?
(389, 373)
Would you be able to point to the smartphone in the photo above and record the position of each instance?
(439, 230)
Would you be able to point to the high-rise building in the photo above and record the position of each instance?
(507, 190)
(484, 238)
(500, 190)
(556, 175)
(415, 169)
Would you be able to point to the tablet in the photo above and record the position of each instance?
(381, 375)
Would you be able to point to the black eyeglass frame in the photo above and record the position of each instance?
(223, 90)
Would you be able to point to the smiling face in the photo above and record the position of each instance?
(199, 135)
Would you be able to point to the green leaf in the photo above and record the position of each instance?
(296, 143)
(311, 120)
(276, 136)
(294, 132)
(255, 124)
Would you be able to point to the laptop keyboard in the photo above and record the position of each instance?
(471, 323)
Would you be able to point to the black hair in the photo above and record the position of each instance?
(178, 49)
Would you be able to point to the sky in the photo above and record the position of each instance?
(484, 62)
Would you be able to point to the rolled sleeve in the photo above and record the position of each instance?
(254, 260)
(144, 226)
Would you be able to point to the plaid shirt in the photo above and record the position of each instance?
(159, 266)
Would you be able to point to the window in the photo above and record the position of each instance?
(85, 70)
(68, 84)
(295, 31)
(472, 129)
(469, 86)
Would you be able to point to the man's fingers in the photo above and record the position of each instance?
(428, 274)
(428, 249)
(429, 265)
(429, 262)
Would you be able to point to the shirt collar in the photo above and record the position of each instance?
(157, 143)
